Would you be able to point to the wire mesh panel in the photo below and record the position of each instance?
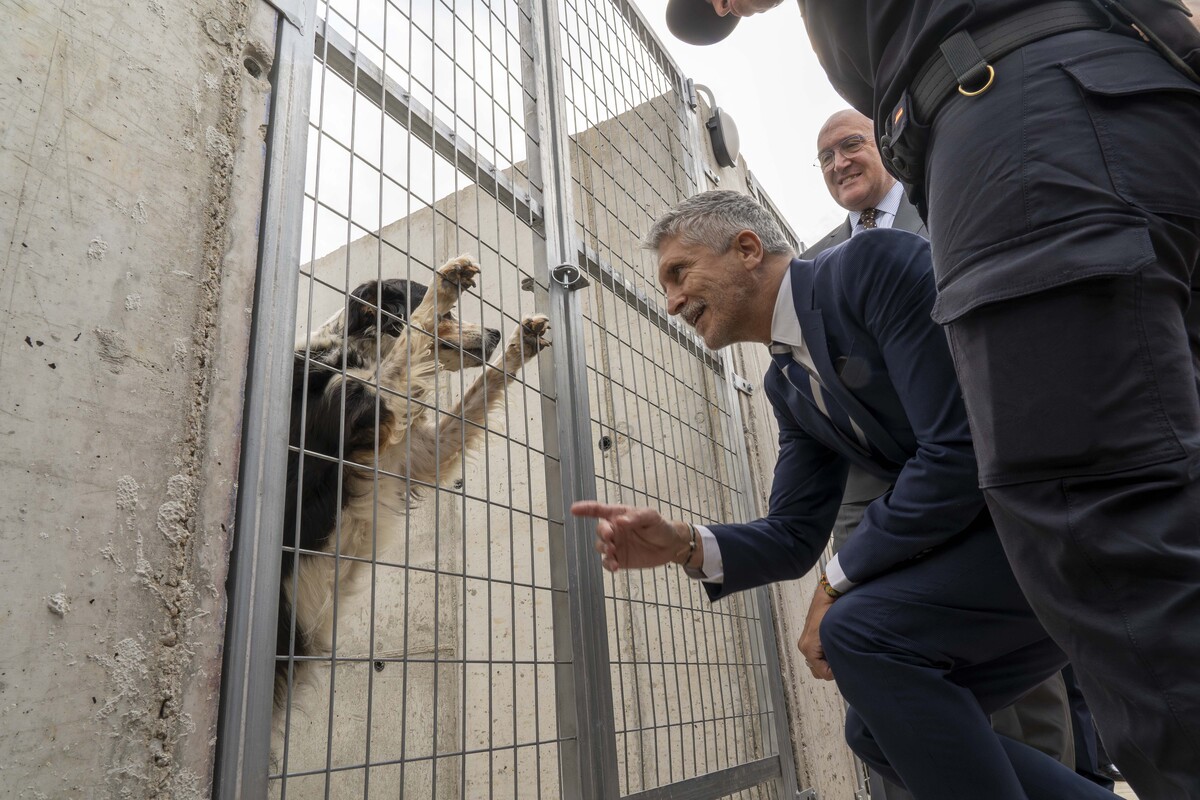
(690, 680)
(433, 637)
(416, 653)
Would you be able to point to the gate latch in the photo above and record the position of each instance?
(569, 276)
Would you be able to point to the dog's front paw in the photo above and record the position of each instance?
(533, 334)
(527, 340)
(459, 272)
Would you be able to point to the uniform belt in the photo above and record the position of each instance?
(962, 61)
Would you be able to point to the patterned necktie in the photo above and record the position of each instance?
(867, 218)
(815, 392)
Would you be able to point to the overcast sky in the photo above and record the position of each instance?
(767, 77)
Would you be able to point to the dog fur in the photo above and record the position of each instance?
(361, 392)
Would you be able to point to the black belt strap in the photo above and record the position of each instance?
(963, 58)
(966, 63)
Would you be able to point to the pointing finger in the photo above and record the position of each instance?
(593, 508)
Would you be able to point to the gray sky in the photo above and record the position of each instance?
(767, 77)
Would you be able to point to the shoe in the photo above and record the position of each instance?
(1111, 772)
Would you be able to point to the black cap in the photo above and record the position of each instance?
(697, 22)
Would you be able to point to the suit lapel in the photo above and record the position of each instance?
(908, 219)
(842, 233)
(836, 236)
(812, 326)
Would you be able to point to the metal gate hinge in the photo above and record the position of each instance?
(742, 385)
(569, 277)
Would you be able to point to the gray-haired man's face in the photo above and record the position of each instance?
(710, 291)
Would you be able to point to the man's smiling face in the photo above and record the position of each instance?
(857, 180)
(710, 291)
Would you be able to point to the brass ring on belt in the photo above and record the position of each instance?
(991, 79)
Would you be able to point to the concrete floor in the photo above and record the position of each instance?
(1123, 790)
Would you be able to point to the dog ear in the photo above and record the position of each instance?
(396, 296)
(361, 312)
(399, 298)
(415, 292)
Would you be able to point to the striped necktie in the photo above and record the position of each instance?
(815, 392)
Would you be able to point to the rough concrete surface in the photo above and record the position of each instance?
(131, 160)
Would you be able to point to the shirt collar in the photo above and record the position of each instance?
(890, 204)
(785, 325)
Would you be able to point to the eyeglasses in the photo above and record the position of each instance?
(847, 147)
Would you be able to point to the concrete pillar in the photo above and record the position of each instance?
(131, 164)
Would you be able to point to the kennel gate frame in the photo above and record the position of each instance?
(586, 717)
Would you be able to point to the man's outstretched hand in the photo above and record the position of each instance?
(637, 538)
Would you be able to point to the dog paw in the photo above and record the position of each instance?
(459, 272)
(528, 339)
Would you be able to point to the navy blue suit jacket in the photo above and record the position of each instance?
(864, 309)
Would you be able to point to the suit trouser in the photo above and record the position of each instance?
(923, 655)
(1080, 371)
(1040, 719)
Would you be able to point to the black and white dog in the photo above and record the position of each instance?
(362, 391)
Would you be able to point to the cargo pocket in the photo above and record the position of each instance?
(1147, 120)
(1076, 380)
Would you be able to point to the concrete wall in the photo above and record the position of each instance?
(131, 157)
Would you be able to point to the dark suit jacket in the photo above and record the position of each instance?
(864, 311)
(862, 486)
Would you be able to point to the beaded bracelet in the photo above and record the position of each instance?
(829, 590)
(687, 562)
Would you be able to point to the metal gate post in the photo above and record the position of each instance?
(587, 750)
(247, 676)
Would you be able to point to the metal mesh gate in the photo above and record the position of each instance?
(469, 646)
(689, 679)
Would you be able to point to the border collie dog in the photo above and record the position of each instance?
(362, 391)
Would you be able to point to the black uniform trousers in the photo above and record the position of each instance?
(1064, 212)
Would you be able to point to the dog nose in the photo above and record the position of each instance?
(493, 339)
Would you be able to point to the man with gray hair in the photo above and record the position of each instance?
(918, 617)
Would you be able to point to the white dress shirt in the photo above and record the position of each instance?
(885, 215)
(785, 328)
